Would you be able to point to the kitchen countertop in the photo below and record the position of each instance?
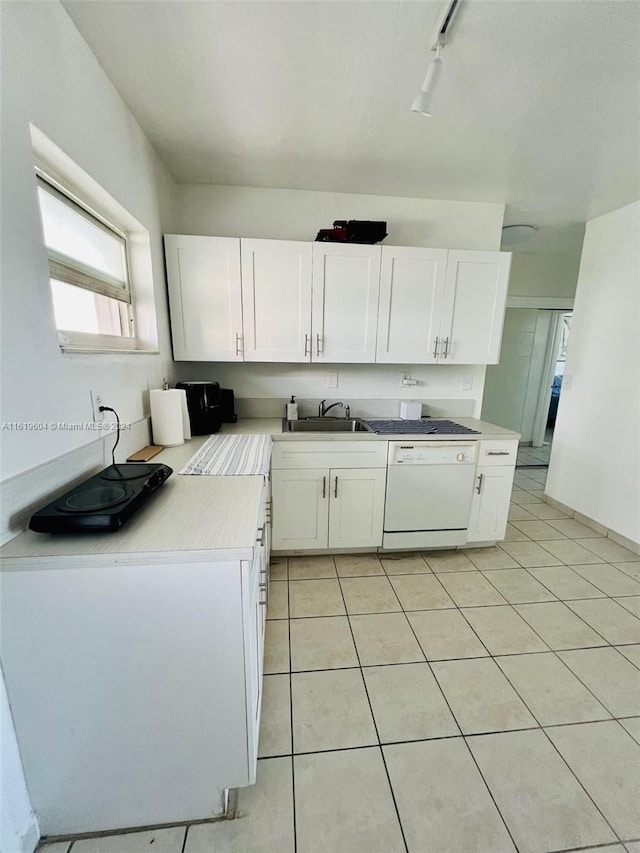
(273, 426)
(209, 517)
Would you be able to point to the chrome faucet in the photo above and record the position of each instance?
(322, 411)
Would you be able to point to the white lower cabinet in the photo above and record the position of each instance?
(154, 683)
(328, 494)
(490, 504)
(328, 508)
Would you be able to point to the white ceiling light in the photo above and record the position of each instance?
(512, 234)
(422, 102)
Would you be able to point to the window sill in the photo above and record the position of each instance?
(71, 348)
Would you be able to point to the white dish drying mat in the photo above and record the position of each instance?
(231, 455)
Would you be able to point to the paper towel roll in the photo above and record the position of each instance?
(167, 421)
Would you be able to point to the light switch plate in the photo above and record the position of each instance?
(332, 380)
(466, 382)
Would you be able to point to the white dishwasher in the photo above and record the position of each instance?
(429, 491)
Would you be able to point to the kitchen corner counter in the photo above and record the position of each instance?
(207, 517)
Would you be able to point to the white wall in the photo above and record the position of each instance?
(19, 830)
(369, 389)
(595, 459)
(299, 215)
(512, 387)
(51, 78)
(543, 274)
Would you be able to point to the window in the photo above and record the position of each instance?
(101, 260)
(88, 268)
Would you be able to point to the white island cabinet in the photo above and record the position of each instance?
(133, 671)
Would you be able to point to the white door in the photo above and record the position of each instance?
(411, 294)
(346, 280)
(490, 503)
(357, 507)
(474, 305)
(276, 300)
(205, 298)
(300, 509)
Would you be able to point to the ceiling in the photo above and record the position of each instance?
(537, 106)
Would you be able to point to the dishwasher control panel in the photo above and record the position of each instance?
(432, 453)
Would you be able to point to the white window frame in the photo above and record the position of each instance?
(69, 270)
(60, 172)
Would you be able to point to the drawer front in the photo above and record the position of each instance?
(329, 454)
(498, 452)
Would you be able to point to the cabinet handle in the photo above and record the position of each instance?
(260, 538)
(307, 344)
(262, 603)
(446, 347)
(335, 492)
(318, 348)
(479, 486)
(435, 348)
(324, 488)
(497, 452)
(238, 339)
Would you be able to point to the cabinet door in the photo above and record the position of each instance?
(474, 306)
(276, 300)
(490, 504)
(356, 507)
(411, 294)
(346, 281)
(254, 627)
(203, 275)
(300, 509)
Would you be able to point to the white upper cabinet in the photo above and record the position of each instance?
(346, 280)
(205, 297)
(474, 306)
(235, 299)
(276, 300)
(411, 297)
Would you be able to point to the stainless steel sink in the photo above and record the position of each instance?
(324, 425)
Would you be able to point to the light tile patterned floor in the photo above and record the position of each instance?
(453, 702)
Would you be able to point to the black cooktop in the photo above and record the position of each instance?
(425, 426)
(104, 502)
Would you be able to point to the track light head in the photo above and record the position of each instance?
(422, 101)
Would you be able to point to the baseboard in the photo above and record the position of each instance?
(618, 538)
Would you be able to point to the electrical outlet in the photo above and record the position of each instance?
(97, 400)
(332, 380)
(408, 382)
(466, 382)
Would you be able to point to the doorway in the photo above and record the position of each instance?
(522, 390)
(551, 387)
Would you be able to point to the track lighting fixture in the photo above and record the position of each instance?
(422, 101)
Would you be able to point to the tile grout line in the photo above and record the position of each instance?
(293, 767)
(455, 719)
(184, 840)
(373, 717)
